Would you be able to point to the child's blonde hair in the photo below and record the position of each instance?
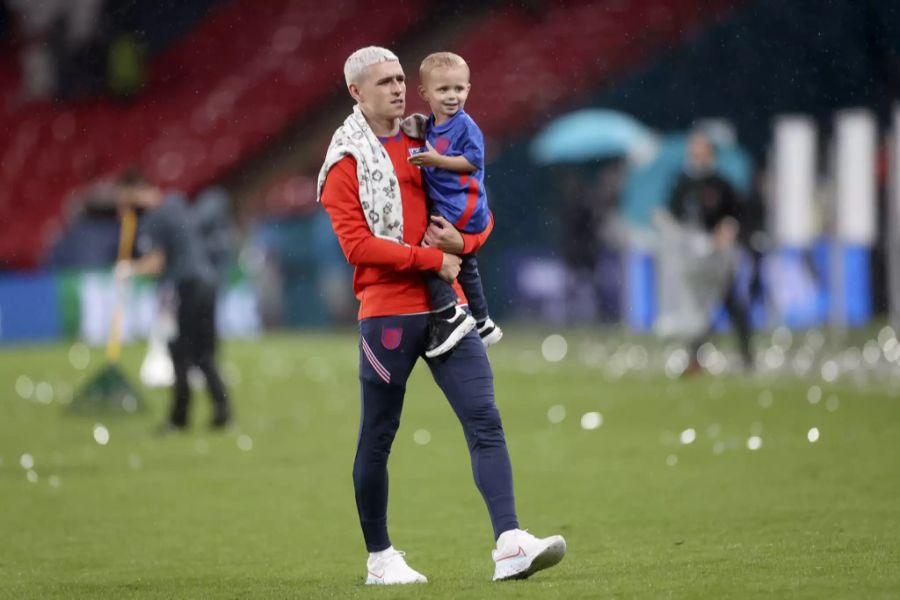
(438, 60)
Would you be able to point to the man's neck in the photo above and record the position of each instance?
(383, 127)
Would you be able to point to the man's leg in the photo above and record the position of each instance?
(740, 320)
(466, 379)
(180, 350)
(204, 346)
(388, 350)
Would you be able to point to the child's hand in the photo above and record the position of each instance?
(429, 158)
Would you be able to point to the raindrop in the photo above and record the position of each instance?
(754, 442)
(886, 333)
(134, 461)
(871, 352)
(756, 428)
(101, 434)
(815, 339)
(129, 404)
(832, 403)
(556, 413)
(705, 354)
(892, 350)
(814, 395)
(54, 482)
(554, 348)
(26, 461)
(713, 430)
(676, 363)
(671, 460)
(24, 386)
(591, 420)
(79, 356)
(245, 443)
(422, 437)
(637, 358)
(718, 447)
(43, 392)
(830, 371)
(782, 337)
(774, 358)
(201, 446)
(31, 476)
(813, 435)
(765, 399)
(688, 436)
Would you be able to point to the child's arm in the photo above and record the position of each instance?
(433, 158)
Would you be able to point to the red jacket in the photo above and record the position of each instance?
(388, 278)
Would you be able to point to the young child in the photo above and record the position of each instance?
(453, 173)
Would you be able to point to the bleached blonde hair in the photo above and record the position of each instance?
(357, 63)
(438, 60)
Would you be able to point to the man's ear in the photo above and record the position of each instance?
(354, 92)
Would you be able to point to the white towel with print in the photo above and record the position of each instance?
(379, 191)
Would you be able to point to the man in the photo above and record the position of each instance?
(704, 200)
(172, 248)
(376, 201)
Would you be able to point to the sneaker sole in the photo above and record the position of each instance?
(458, 334)
(372, 581)
(494, 337)
(548, 557)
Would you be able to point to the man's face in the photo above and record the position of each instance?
(446, 89)
(381, 93)
(701, 156)
(141, 197)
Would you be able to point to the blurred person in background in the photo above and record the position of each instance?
(171, 247)
(703, 200)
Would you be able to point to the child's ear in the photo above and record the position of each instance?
(422, 92)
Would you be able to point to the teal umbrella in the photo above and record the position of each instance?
(589, 134)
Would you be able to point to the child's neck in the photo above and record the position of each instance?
(441, 119)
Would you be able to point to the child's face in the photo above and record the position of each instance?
(445, 89)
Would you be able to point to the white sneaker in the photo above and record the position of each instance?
(490, 333)
(388, 567)
(520, 555)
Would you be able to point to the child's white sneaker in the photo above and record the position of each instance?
(490, 333)
(388, 567)
(520, 555)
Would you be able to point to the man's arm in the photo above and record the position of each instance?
(151, 263)
(442, 234)
(340, 197)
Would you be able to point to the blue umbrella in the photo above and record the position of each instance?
(589, 134)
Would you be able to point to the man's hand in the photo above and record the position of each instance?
(123, 270)
(450, 267)
(429, 158)
(725, 233)
(441, 234)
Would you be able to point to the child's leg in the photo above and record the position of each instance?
(441, 293)
(470, 280)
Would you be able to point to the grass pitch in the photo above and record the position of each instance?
(268, 511)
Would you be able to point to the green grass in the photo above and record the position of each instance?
(194, 515)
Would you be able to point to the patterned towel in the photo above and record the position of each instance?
(379, 191)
